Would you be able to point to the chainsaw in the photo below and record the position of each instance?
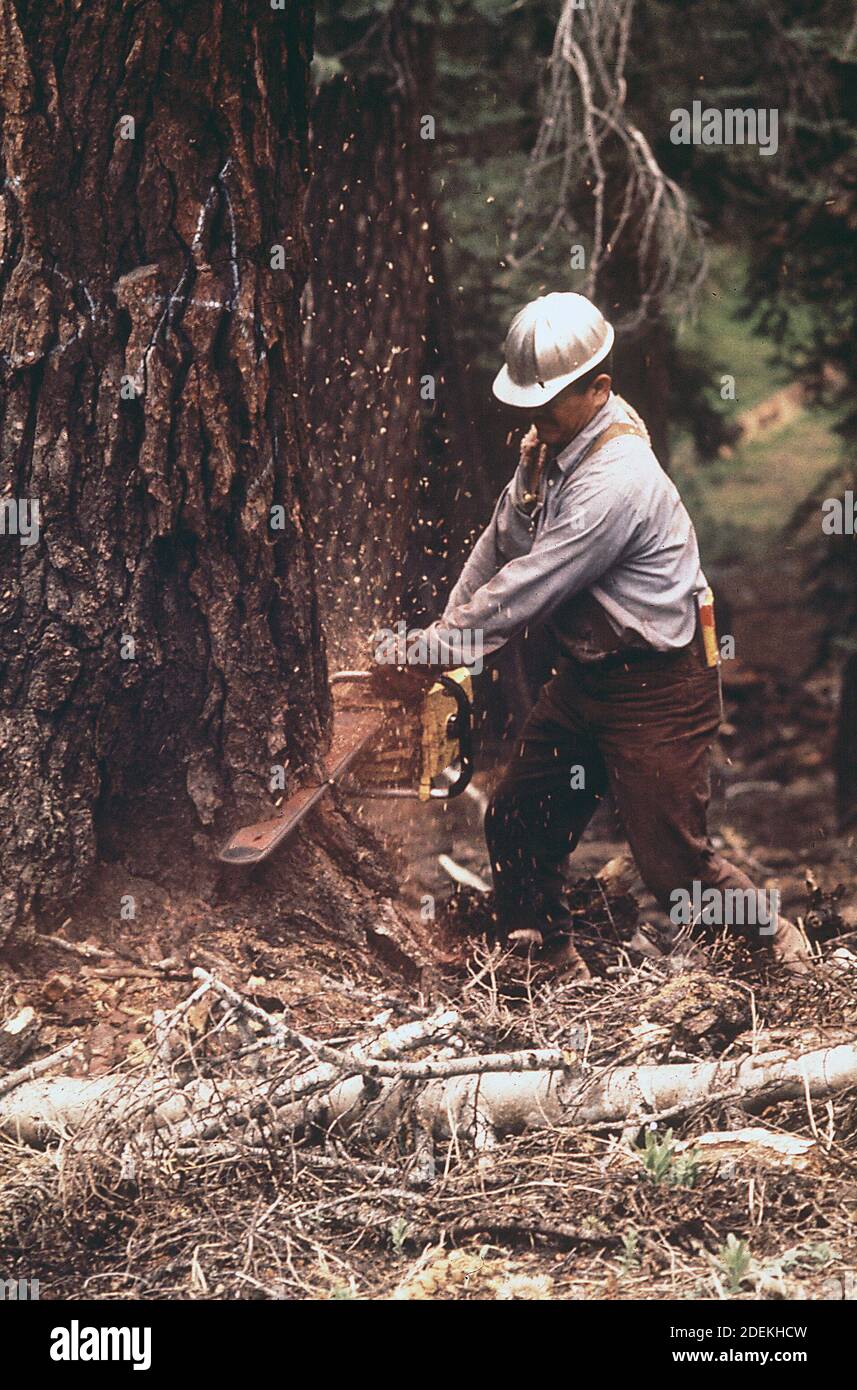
(429, 743)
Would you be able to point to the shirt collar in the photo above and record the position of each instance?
(610, 413)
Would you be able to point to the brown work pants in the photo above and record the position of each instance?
(640, 727)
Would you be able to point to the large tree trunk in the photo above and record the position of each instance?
(395, 457)
(160, 647)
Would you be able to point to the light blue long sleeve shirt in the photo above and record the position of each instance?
(610, 525)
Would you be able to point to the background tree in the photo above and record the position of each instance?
(551, 181)
(802, 278)
(798, 212)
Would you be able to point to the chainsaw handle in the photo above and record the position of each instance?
(463, 718)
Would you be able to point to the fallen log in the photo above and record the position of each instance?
(482, 1106)
(42, 1111)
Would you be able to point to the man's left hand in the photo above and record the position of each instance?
(406, 683)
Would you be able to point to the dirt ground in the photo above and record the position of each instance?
(557, 1214)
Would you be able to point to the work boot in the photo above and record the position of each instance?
(556, 952)
(790, 950)
(564, 959)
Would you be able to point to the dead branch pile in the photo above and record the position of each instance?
(409, 1129)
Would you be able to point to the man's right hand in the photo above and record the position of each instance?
(529, 457)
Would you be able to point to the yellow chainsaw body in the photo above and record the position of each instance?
(437, 749)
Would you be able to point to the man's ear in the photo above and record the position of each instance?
(602, 384)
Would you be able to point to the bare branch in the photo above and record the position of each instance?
(609, 185)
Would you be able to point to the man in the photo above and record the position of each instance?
(591, 536)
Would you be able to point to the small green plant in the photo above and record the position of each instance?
(630, 1252)
(686, 1170)
(399, 1234)
(663, 1165)
(735, 1261)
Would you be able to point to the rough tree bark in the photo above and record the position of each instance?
(160, 646)
(395, 457)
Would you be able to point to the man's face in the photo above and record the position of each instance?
(568, 413)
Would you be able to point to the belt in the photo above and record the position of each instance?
(644, 658)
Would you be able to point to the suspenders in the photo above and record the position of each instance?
(633, 427)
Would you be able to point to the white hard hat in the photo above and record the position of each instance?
(551, 342)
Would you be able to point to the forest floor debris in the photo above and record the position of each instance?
(707, 1204)
(559, 1212)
